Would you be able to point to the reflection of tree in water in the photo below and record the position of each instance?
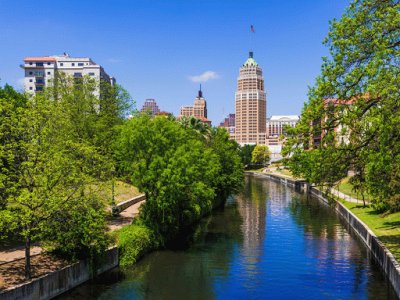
(189, 274)
(252, 208)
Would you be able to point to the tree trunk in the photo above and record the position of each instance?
(27, 258)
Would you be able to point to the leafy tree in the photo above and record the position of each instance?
(362, 74)
(245, 154)
(181, 173)
(260, 155)
(12, 105)
(64, 154)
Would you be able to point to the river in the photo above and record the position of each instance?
(269, 242)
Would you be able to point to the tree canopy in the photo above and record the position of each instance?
(351, 120)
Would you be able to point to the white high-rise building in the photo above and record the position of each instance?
(251, 104)
(41, 71)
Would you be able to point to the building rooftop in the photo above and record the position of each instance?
(284, 118)
(250, 62)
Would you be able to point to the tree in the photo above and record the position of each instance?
(181, 173)
(64, 154)
(12, 105)
(362, 75)
(245, 154)
(260, 155)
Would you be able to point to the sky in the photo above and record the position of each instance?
(163, 49)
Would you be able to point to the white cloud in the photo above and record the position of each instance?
(206, 76)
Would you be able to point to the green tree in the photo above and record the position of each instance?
(12, 105)
(245, 154)
(362, 74)
(181, 173)
(260, 155)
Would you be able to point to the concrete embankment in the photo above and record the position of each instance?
(381, 254)
(60, 281)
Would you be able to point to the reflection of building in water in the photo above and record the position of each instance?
(252, 208)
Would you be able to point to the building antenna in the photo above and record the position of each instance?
(252, 34)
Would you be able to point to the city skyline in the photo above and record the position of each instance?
(287, 43)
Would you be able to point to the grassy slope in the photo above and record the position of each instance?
(122, 191)
(385, 226)
(346, 188)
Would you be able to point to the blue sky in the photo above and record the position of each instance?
(155, 48)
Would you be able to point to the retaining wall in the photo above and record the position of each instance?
(124, 205)
(382, 255)
(60, 281)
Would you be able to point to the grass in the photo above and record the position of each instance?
(346, 188)
(122, 191)
(385, 226)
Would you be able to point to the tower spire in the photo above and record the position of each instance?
(200, 92)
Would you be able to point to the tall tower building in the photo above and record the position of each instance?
(251, 104)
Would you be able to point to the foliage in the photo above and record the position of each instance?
(11, 133)
(62, 141)
(245, 154)
(134, 241)
(260, 155)
(359, 130)
(178, 168)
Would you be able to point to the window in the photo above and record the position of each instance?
(80, 64)
(77, 74)
(30, 80)
(61, 64)
(91, 74)
(49, 63)
(73, 64)
(40, 81)
(39, 64)
(39, 88)
(30, 63)
(48, 73)
(30, 88)
(30, 73)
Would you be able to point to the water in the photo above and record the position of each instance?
(268, 243)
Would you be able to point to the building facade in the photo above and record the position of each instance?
(41, 71)
(251, 104)
(198, 110)
(150, 106)
(229, 124)
(276, 127)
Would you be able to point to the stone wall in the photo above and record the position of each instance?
(124, 205)
(60, 281)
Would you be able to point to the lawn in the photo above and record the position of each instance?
(385, 226)
(346, 188)
(122, 191)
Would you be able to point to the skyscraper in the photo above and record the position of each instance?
(251, 104)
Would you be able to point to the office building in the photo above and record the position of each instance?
(150, 106)
(251, 104)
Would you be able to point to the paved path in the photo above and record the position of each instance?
(346, 197)
(125, 218)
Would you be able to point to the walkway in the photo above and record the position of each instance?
(346, 197)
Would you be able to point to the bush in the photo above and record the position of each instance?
(134, 241)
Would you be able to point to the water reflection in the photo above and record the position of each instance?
(269, 242)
